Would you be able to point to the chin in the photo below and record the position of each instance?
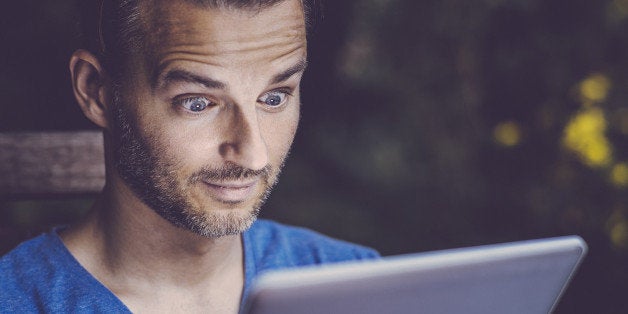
(219, 219)
(221, 223)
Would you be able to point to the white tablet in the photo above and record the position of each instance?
(520, 277)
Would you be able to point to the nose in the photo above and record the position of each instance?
(243, 142)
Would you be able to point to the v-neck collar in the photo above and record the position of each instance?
(69, 260)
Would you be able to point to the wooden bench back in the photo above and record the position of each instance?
(51, 163)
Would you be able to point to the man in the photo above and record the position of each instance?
(199, 104)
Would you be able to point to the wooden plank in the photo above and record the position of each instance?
(50, 163)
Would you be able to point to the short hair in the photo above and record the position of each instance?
(111, 29)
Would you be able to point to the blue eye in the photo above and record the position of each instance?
(273, 99)
(195, 104)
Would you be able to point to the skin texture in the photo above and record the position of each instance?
(196, 133)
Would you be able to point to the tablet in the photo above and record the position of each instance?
(518, 277)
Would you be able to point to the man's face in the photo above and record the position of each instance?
(206, 116)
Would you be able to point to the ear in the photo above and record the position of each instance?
(90, 90)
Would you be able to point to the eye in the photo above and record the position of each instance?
(194, 104)
(274, 98)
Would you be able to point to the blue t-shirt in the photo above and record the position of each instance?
(41, 275)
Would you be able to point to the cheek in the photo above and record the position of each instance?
(183, 144)
(279, 131)
(184, 147)
(193, 147)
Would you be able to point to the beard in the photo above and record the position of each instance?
(144, 166)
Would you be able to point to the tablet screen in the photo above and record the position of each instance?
(519, 277)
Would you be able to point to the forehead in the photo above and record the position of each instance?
(215, 35)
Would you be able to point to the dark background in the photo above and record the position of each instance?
(426, 125)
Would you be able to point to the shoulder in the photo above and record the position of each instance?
(41, 275)
(295, 246)
(20, 271)
(26, 259)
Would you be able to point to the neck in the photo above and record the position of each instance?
(126, 245)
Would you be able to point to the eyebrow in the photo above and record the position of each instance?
(179, 75)
(285, 75)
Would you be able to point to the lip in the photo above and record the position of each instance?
(231, 192)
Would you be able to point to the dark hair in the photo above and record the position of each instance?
(111, 29)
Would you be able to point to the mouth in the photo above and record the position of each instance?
(231, 192)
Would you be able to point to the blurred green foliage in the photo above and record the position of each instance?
(426, 125)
